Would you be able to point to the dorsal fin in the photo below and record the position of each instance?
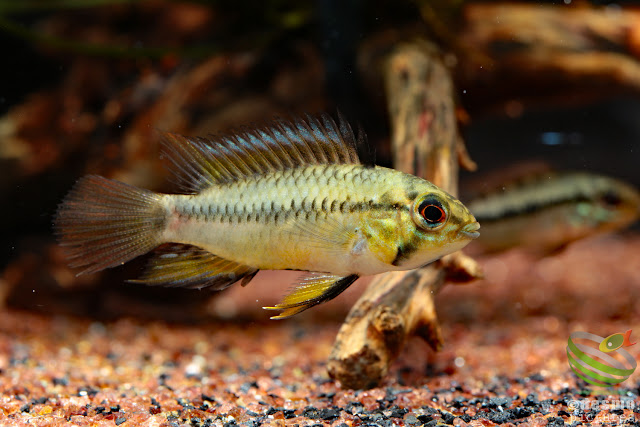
(202, 162)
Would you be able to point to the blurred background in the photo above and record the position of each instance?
(86, 86)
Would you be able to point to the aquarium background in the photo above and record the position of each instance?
(87, 87)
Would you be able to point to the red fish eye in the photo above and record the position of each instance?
(432, 212)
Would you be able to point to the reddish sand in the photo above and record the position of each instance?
(504, 359)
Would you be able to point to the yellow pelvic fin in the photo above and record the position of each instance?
(312, 289)
(187, 266)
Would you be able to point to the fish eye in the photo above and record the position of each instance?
(431, 212)
(611, 199)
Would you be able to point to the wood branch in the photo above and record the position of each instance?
(424, 135)
(519, 54)
(397, 305)
(508, 57)
(377, 326)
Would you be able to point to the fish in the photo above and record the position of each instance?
(291, 195)
(546, 212)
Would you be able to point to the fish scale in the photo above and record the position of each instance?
(291, 196)
(298, 198)
(316, 190)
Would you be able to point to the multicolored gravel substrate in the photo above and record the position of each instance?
(504, 359)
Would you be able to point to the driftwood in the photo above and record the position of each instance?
(507, 57)
(397, 305)
(516, 55)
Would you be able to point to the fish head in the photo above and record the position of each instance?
(443, 221)
(432, 224)
(615, 205)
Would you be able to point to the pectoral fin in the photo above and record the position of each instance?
(187, 266)
(313, 289)
(329, 235)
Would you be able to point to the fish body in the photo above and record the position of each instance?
(548, 212)
(293, 196)
(343, 219)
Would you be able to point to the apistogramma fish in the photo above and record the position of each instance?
(549, 211)
(293, 195)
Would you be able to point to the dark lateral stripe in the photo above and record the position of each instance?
(532, 196)
(267, 213)
(527, 209)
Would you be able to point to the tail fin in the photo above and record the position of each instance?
(104, 223)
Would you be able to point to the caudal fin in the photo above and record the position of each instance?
(104, 223)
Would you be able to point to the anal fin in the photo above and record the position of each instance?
(313, 289)
(186, 266)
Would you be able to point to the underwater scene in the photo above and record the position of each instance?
(324, 212)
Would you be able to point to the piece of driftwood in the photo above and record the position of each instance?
(514, 55)
(507, 57)
(397, 305)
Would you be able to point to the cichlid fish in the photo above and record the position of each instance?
(550, 211)
(290, 196)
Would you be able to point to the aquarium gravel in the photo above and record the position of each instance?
(503, 362)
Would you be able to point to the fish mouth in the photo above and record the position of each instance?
(471, 230)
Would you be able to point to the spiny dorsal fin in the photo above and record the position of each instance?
(312, 289)
(186, 266)
(200, 163)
